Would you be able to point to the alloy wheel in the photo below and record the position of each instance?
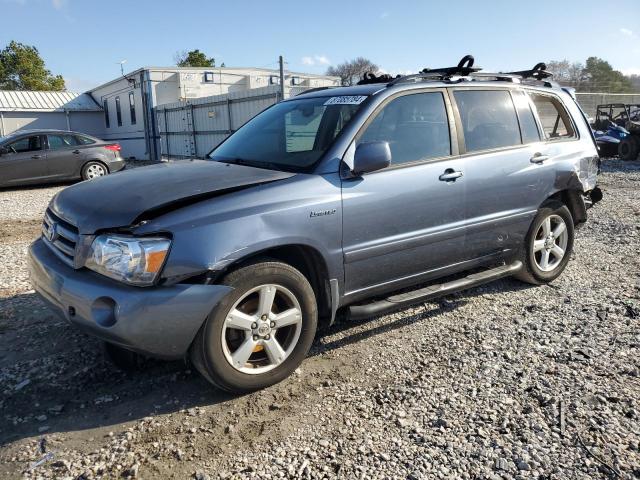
(262, 329)
(550, 243)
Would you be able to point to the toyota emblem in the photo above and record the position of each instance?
(51, 233)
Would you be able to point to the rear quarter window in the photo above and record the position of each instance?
(84, 140)
(488, 119)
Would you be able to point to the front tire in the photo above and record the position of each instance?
(260, 332)
(548, 244)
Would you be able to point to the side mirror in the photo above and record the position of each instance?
(370, 157)
(4, 150)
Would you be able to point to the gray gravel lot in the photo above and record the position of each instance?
(499, 382)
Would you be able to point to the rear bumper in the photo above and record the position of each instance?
(156, 321)
(117, 165)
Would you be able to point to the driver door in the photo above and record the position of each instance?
(25, 162)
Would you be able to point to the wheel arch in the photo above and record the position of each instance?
(309, 261)
(574, 201)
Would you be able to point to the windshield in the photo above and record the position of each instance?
(291, 135)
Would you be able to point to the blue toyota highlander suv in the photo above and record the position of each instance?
(352, 201)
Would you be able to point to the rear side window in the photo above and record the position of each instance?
(528, 125)
(555, 120)
(415, 126)
(488, 119)
(26, 144)
(84, 140)
(57, 142)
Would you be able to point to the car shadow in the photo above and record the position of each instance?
(39, 186)
(53, 378)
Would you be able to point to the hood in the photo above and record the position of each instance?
(120, 199)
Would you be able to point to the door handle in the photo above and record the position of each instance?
(76, 151)
(35, 157)
(450, 175)
(539, 158)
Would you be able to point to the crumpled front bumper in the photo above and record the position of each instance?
(157, 321)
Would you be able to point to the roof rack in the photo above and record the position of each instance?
(463, 71)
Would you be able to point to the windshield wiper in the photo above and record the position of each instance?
(254, 163)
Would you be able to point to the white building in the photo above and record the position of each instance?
(128, 101)
(21, 110)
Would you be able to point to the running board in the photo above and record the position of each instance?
(397, 302)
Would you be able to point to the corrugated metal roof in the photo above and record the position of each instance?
(26, 101)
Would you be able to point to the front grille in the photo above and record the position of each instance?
(60, 236)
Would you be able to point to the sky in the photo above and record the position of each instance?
(83, 40)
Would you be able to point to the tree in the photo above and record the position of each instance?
(22, 68)
(350, 72)
(635, 81)
(194, 58)
(601, 77)
(566, 72)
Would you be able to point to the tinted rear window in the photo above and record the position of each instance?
(488, 119)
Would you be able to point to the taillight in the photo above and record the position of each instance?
(114, 148)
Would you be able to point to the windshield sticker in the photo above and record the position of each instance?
(346, 100)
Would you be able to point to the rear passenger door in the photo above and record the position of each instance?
(500, 141)
(64, 155)
(405, 222)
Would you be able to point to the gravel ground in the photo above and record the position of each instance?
(502, 381)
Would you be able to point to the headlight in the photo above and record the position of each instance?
(137, 261)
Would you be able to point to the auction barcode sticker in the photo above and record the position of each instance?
(346, 100)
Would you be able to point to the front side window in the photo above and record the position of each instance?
(415, 126)
(118, 112)
(291, 135)
(488, 119)
(105, 107)
(56, 142)
(132, 108)
(555, 120)
(26, 144)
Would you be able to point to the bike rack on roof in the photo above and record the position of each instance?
(538, 72)
(464, 71)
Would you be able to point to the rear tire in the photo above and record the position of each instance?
(260, 332)
(93, 170)
(628, 148)
(548, 244)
